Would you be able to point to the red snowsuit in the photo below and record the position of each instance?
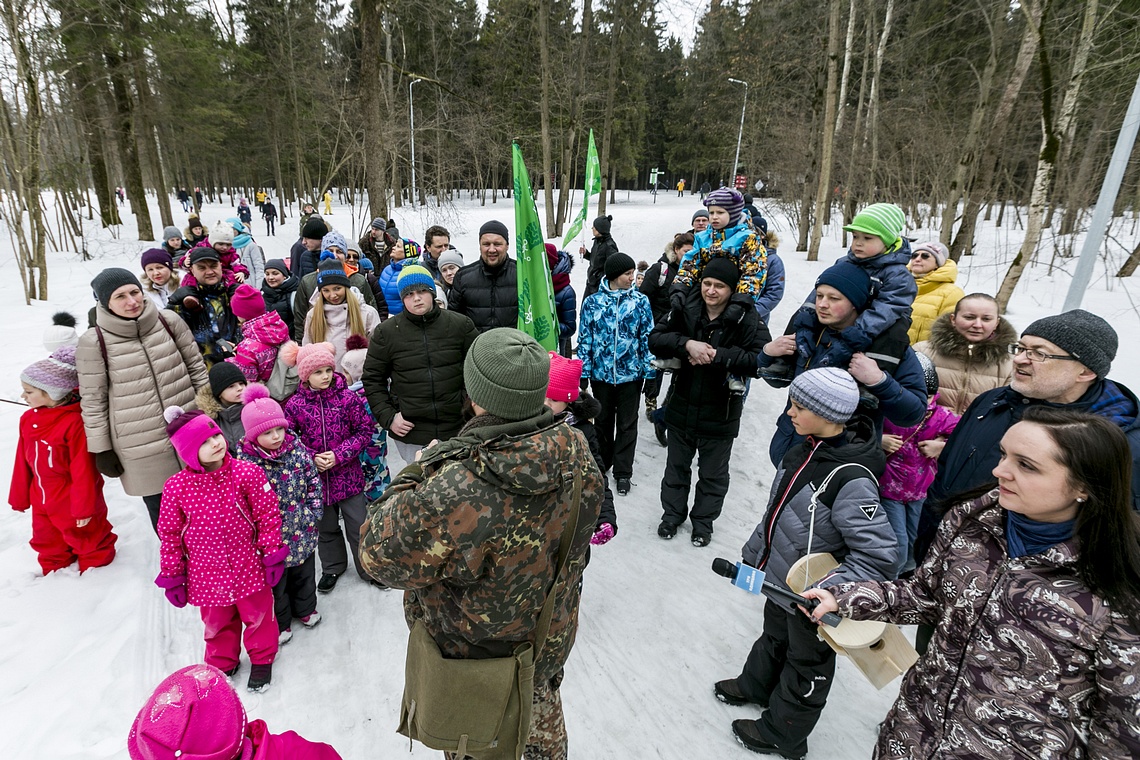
(55, 475)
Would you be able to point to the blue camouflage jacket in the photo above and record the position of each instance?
(613, 336)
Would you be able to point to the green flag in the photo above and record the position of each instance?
(593, 187)
(536, 291)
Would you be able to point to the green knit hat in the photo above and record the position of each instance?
(506, 372)
(883, 220)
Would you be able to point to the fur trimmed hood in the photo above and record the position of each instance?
(947, 341)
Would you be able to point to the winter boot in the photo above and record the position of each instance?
(728, 691)
(747, 733)
(666, 530)
(623, 486)
(284, 637)
(260, 677)
(311, 621)
(327, 582)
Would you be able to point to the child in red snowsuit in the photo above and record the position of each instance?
(54, 473)
(220, 530)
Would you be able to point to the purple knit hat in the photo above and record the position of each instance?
(157, 256)
(193, 714)
(188, 431)
(56, 376)
(728, 199)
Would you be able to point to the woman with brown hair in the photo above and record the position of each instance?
(1034, 588)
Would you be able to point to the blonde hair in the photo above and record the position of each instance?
(318, 327)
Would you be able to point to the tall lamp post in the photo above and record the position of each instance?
(412, 121)
(740, 134)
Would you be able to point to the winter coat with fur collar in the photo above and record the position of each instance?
(966, 370)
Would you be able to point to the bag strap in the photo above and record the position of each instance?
(547, 613)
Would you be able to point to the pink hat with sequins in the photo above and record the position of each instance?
(194, 714)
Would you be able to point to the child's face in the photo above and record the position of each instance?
(159, 274)
(232, 394)
(223, 247)
(271, 439)
(213, 451)
(274, 278)
(807, 422)
(196, 231)
(320, 378)
(36, 398)
(174, 243)
(333, 294)
(718, 217)
(640, 278)
(558, 407)
(419, 302)
(447, 271)
(865, 246)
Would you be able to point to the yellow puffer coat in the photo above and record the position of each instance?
(937, 295)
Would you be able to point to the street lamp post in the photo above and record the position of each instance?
(740, 134)
(412, 121)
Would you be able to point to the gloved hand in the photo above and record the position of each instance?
(107, 462)
(275, 565)
(733, 313)
(677, 299)
(174, 587)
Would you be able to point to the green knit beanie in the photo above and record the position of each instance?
(885, 221)
(506, 372)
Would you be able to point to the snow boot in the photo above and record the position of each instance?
(728, 691)
(284, 637)
(666, 530)
(701, 540)
(260, 676)
(748, 734)
(623, 486)
(327, 582)
(310, 621)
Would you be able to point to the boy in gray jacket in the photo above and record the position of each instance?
(825, 498)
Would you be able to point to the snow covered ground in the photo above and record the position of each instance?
(80, 655)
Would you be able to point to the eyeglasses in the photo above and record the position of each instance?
(1033, 355)
(920, 255)
(351, 257)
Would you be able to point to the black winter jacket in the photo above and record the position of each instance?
(488, 297)
(655, 286)
(280, 300)
(603, 247)
(415, 366)
(699, 401)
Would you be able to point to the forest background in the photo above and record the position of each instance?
(957, 111)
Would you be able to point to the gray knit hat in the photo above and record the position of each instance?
(829, 392)
(110, 280)
(171, 232)
(1084, 336)
(506, 372)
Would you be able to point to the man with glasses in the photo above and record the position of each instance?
(1060, 361)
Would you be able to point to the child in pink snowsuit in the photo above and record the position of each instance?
(263, 334)
(912, 463)
(55, 475)
(195, 713)
(221, 239)
(220, 530)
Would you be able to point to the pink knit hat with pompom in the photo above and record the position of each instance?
(194, 714)
(565, 376)
(309, 358)
(188, 431)
(260, 412)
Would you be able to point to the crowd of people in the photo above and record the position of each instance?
(975, 481)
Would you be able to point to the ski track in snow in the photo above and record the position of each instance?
(79, 656)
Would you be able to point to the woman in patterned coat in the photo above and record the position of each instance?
(1033, 589)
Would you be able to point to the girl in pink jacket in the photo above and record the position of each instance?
(221, 551)
(195, 713)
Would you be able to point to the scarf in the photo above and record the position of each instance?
(1024, 536)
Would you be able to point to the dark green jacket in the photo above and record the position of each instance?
(415, 366)
(472, 530)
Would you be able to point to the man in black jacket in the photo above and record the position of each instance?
(603, 247)
(701, 412)
(487, 291)
(413, 374)
(206, 308)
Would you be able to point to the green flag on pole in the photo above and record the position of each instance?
(593, 187)
(536, 291)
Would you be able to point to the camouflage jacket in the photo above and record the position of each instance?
(472, 532)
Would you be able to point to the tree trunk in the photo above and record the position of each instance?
(873, 108)
(611, 95)
(822, 207)
(128, 145)
(543, 11)
(371, 83)
(848, 51)
(1052, 132)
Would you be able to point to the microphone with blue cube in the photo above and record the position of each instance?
(751, 579)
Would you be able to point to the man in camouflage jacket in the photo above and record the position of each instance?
(472, 530)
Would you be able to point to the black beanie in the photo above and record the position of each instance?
(602, 224)
(279, 265)
(315, 229)
(222, 376)
(618, 264)
(110, 280)
(724, 270)
(495, 227)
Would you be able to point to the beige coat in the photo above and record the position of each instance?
(937, 295)
(967, 370)
(123, 398)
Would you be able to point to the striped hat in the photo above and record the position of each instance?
(414, 277)
(728, 199)
(56, 376)
(885, 221)
(828, 392)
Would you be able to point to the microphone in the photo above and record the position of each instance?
(781, 596)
